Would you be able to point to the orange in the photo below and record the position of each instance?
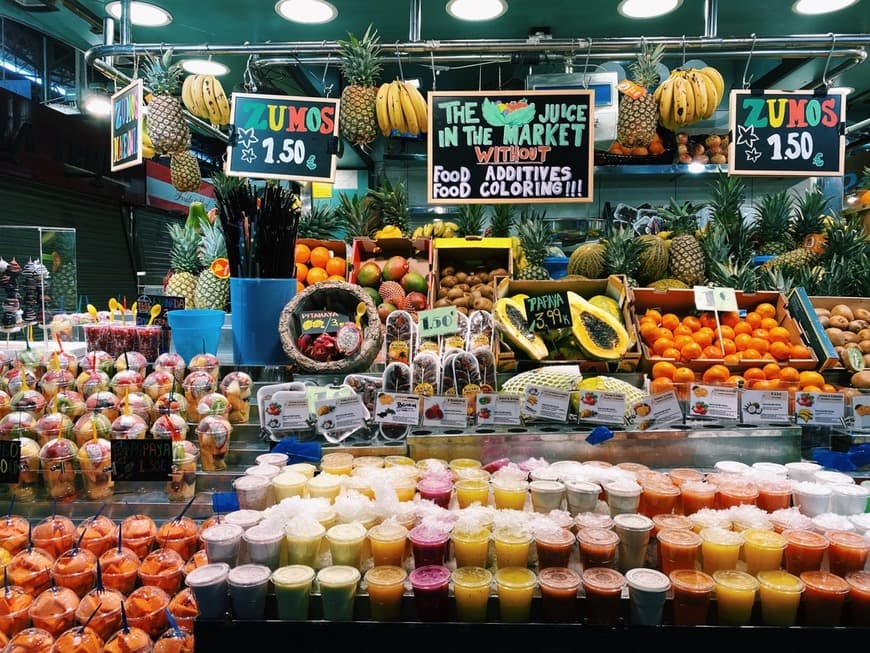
(735, 380)
(742, 327)
(690, 351)
(725, 331)
(646, 318)
(672, 353)
(703, 337)
(649, 332)
(769, 323)
(661, 384)
(654, 314)
(759, 344)
(335, 277)
(754, 319)
(754, 374)
(779, 334)
(665, 333)
(692, 322)
(684, 375)
(729, 346)
(301, 271)
(302, 253)
(731, 359)
(766, 309)
(316, 275)
(670, 321)
(768, 356)
(780, 350)
(336, 267)
(661, 344)
(812, 388)
(682, 341)
(299, 286)
(320, 257)
(751, 354)
(809, 377)
(800, 352)
(742, 340)
(716, 374)
(683, 330)
(828, 387)
(761, 333)
(712, 351)
(789, 374)
(663, 369)
(767, 384)
(771, 371)
(729, 319)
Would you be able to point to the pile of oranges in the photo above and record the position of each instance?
(770, 376)
(756, 337)
(315, 264)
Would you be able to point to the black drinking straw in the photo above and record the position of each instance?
(120, 537)
(88, 620)
(98, 585)
(11, 507)
(124, 625)
(185, 509)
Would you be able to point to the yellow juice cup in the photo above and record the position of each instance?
(762, 550)
(469, 491)
(735, 596)
(338, 462)
(471, 589)
(386, 587)
(512, 547)
(720, 549)
(509, 494)
(780, 596)
(388, 542)
(471, 546)
(516, 585)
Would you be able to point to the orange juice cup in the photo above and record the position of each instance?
(847, 552)
(661, 522)
(762, 549)
(54, 610)
(386, 587)
(780, 597)
(515, 587)
(692, 591)
(509, 493)
(388, 541)
(658, 497)
(774, 495)
(162, 568)
(54, 534)
(824, 596)
(859, 597)
(735, 596)
(145, 608)
(471, 490)
(75, 568)
(804, 550)
(720, 549)
(107, 603)
(512, 546)
(119, 569)
(736, 493)
(471, 546)
(680, 475)
(678, 549)
(696, 495)
(133, 640)
(14, 609)
(30, 569)
(471, 589)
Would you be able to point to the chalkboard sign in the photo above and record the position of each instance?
(787, 133)
(10, 461)
(283, 137)
(489, 147)
(126, 128)
(322, 321)
(141, 460)
(549, 311)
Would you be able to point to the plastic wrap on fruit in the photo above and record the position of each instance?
(214, 403)
(104, 402)
(91, 425)
(366, 386)
(5, 407)
(95, 462)
(53, 425)
(448, 383)
(53, 381)
(17, 425)
(237, 388)
(466, 378)
(129, 427)
(426, 373)
(486, 367)
(172, 363)
(100, 360)
(456, 341)
(213, 433)
(59, 466)
(397, 378)
(171, 403)
(158, 383)
(126, 381)
(182, 480)
(169, 426)
(54, 610)
(197, 384)
(28, 475)
(69, 402)
(91, 381)
(205, 363)
(139, 404)
(400, 337)
(15, 379)
(28, 401)
(481, 328)
(131, 360)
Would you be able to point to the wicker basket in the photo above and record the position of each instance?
(603, 158)
(342, 298)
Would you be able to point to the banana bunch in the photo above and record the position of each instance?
(401, 108)
(436, 229)
(390, 231)
(688, 96)
(204, 96)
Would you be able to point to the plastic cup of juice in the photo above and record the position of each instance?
(603, 589)
(647, 591)
(847, 552)
(824, 596)
(512, 546)
(509, 493)
(597, 547)
(558, 587)
(429, 545)
(469, 491)
(554, 547)
(859, 597)
(222, 542)
(804, 550)
(431, 584)
(780, 594)
(438, 489)
(678, 549)
(697, 495)
(386, 587)
(248, 584)
(581, 496)
(303, 538)
(338, 463)
(634, 532)
(658, 496)
(546, 495)
(289, 484)
(264, 544)
(735, 596)
(471, 591)
(623, 496)
(346, 543)
(471, 546)
(774, 494)
(720, 548)
(762, 549)
(292, 585)
(388, 541)
(692, 590)
(515, 587)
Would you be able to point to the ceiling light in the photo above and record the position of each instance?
(98, 105)
(142, 14)
(813, 7)
(311, 12)
(647, 8)
(476, 9)
(204, 67)
(845, 90)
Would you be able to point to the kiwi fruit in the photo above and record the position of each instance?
(843, 310)
(861, 379)
(862, 314)
(838, 322)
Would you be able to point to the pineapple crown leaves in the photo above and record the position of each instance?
(501, 221)
(185, 244)
(161, 75)
(360, 62)
(470, 220)
(355, 215)
(643, 68)
(212, 245)
(320, 223)
(680, 218)
(536, 234)
(810, 209)
(622, 250)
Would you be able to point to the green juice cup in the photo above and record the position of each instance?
(293, 591)
(338, 585)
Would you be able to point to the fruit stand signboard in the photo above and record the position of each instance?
(10, 454)
(787, 133)
(141, 460)
(283, 137)
(126, 127)
(488, 147)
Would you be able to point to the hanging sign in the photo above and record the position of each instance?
(10, 460)
(126, 127)
(141, 460)
(787, 133)
(283, 137)
(488, 147)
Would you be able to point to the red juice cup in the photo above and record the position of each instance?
(859, 598)
(658, 497)
(773, 495)
(847, 552)
(96, 336)
(697, 495)
(429, 545)
(554, 548)
(678, 549)
(558, 587)
(148, 341)
(823, 598)
(692, 591)
(597, 547)
(804, 550)
(437, 489)
(430, 584)
(603, 589)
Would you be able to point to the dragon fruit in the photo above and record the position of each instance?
(348, 339)
(324, 348)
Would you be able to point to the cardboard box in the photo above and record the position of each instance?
(468, 255)
(417, 251)
(682, 302)
(337, 247)
(804, 310)
(614, 286)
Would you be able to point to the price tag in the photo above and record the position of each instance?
(437, 322)
(10, 461)
(861, 412)
(549, 311)
(714, 402)
(498, 409)
(141, 460)
(322, 321)
(657, 410)
(602, 407)
(395, 408)
(819, 408)
(445, 412)
(287, 411)
(340, 413)
(764, 406)
(546, 403)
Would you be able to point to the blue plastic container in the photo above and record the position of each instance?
(557, 266)
(195, 330)
(256, 310)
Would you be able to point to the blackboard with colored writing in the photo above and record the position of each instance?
(283, 137)
(487, 147)
(10, 461)
(126, 126)
(548, 311)
(141, 460)
(787, 133)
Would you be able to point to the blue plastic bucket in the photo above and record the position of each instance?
(195, 331)
(557, 266)
(256, 306)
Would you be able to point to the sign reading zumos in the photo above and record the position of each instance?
(490, 147)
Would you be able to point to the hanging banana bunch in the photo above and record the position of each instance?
(688, 96)
(204, 97)
(401, 109)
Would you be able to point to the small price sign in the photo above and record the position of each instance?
(141, 460)
(322, 321)
(437, 322)
(549, 311)
(10, 461)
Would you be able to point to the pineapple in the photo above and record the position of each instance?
(185, 263)
(774, 217)
(470, 220)
(622, 252)
(685, 255)
(184, 171)
(806, 231)
(726, 197)
(355, 215)
(361, 68)
(213, 284)
(320, 223)
(166, 127)
(501, 221)
(638, 118)
(390, 203)
(535, 235)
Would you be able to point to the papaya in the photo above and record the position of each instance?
(608, 304)
(597, 332)
(510, 317)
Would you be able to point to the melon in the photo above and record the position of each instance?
(665, 284)
(653, 259)
(587, 261)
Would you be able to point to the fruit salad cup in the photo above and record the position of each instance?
(53, 381)
(162, 568)
(14, 609)
(182, 480)
(53, 425)
(79, 639)
(132, 640)
(54, 610)
(30, 640)
(14, 380)
(28, 475)
(65, 361)
(97, 534)
(148, 341)
(214, 404)
(95, 463)
(170, 426)
(55, 534)
(126, 381)
(97, 360)
(172, 363)
(145, 607)
(213, 434)
(175, 641)
(237, 388)
(131, 360)
(30, 359)
(138, 532)
(119, 569)
(96, 336)
(106, 403)
(76, 569)
(180, 535)
(158, 383)
(91, 425)
(13, 533)
(171, 403)
(129, 427)
(107, 602)
(91, 381)
(197, 385)
(18, 425)
(29, 401)
(70, 403)
(140, 404)
(5, 407)
(58, 459)
(198, 559)
(207, 363)
(184, 609)
(30, 568)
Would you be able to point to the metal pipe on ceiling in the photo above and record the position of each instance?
(416, 20)
(126, 23)
(711, 18)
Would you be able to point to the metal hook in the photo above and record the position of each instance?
(399, 62)
(434, 72)
(683, 65)
(748, 79)
(828, 60)
(248, 76)
(586, 66)
(480, 77)
(327, 90)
